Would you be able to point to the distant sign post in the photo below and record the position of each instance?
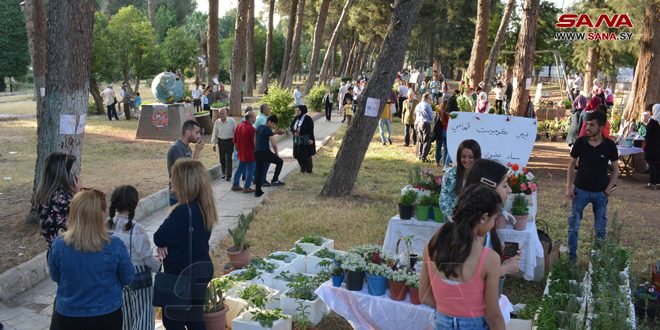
(501, 138)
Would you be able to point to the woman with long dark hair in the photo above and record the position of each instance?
(56, 189)
(460, 276)
(453, 180)
(304, 146)
(137, 309)
(196, 205)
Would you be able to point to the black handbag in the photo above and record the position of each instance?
(175, 291)
(142, 279)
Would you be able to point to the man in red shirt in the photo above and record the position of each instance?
(244, 142)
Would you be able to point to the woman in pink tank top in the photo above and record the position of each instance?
(460, 277)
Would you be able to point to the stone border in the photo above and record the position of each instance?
(21, 278)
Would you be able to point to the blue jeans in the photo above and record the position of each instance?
(246, 168)
(444, 322)
(445, 151)
(382, 125)
(598, 202)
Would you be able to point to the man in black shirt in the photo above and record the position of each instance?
(591, 184)
(264, 138)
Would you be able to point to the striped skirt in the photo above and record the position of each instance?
(138, 311)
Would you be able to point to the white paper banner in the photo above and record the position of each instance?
(371, 109)
(69, 126)
(501, 138)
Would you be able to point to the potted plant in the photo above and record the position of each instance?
(397, 283)
(215, 309)
(646, 301)
(413, 287)
(337, 276)
(520, 211)
(377, 279)
(301, 291)
(437, 212)
(313, 243)
(354, 265)
(301, 319)
(407, 204)
(423, 209)
(239, 254)
(313, 261)
(262, 319)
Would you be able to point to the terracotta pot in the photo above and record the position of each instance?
(521, 222)
(500, 222)
(217, 320)
(239, 259)
(398, 290)
(414, 295)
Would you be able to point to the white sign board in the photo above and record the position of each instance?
(69, 126)
(501, 138)
(371, 110)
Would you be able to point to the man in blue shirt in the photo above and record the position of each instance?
(262, 154)
(423, 121)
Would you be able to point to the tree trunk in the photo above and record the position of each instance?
(249, 70)
(645, 89)
(325, 68)
(475, 71)
(212, 41)
(35, 21)
(268, 62)
(345, 48)
(590, 69)
(497, 44)
(238, 59)
(289, 41)
(525, 56)
(351, 58)
(151, 11)
(96, 95)
(359, 134)
(295, 46)
(316, 48)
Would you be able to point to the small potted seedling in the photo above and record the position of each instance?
(215, 309)
(520, 211)
(313, 243)
(413, 288)
(423, 210)
(407, 204)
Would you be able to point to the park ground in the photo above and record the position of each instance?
(112, 157)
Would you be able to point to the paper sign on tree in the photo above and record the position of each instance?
(502, 138)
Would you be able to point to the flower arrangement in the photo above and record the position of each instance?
(364, 250)
(424, 179)
(521, 181)
(413, 280)
(353, 262)
(378, 269)
(400, 275)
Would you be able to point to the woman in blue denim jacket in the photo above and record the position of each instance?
(90, 268)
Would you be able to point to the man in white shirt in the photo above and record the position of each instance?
(343, 89)
(197, 98)
(223, 136)
(297, 95)
(109, 99)
(402, 90)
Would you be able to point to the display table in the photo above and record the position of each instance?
(365, 311)
(626, 167)
(397, 228)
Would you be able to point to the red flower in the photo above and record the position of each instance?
(515, 167)
(525, 170)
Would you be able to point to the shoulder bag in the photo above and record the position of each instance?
(142, 279)
(175, 290)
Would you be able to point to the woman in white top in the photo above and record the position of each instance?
(137, 308)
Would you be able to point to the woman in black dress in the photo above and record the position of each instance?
(304, 145)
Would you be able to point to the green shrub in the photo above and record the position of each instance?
(427, 201)
(280, 101)
(315, 97)
(519, 205)
(408, 198)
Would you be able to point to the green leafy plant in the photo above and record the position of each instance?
(567, 103)
(255, 295)
(249, 273)
(263, 265)
(353, 262)
(214, 297)
(325, 265)
(363, 250)
(239, 233)
(325, 253)
(266, 318)
(221, 104)
(427, 201)
(315, 97)
(280, 102)
(519, 206)
(312, 239)
(301, 319)
(202, 113)
(465, 103)
(297, 249)
(413, 280)
(280, 257)
(408, 198)
(302, 288)
(287, 276)
(337, 271)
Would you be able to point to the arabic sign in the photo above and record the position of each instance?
(502, 138)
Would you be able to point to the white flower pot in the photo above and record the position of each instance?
(245, 322)
(236, 306)
(281, 263)
(317, 309)
(264, 278)
(311, 248)
(296, 266)
(272, 301)
(312, 264)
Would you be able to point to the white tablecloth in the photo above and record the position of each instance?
(365, 311)
(530, 247)
(397, 228)
(627, 151)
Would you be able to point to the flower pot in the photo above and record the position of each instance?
(414, 295)
(316, 308)
(437, 215)
(406, 211)
(422, 212)
(398, 290)
(500, 222)
(376, 284)
(245, 322)
(239, 259)
(413, 258)
(354, 280)
(337, 280)
(311, 248)
(521, 222)
(217, 320)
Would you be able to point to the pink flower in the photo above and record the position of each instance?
(532, 186)
(523, 187)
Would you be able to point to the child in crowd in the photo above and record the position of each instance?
(138, 103)
(348, 111)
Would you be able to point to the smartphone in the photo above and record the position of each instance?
(510, 249)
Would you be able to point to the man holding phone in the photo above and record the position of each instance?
(190, 133)
(590, 183)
